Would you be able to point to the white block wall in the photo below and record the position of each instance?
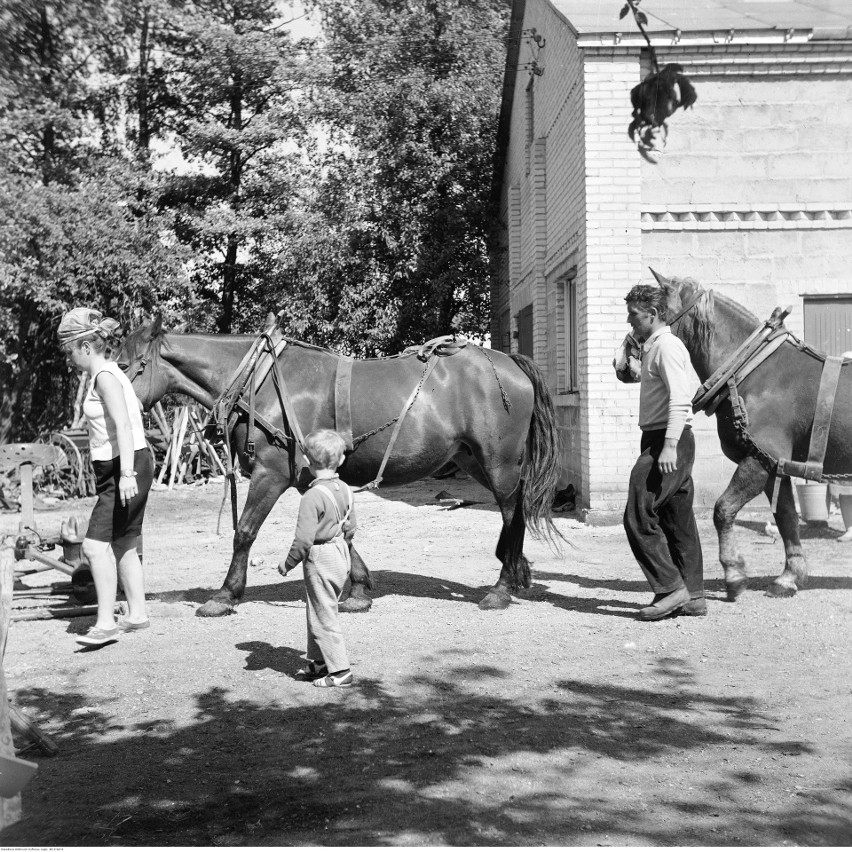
(772, 130)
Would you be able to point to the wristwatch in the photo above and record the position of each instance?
(129, 473)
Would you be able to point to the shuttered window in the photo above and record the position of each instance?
(525, 331)
(828, 323)
(568, 376)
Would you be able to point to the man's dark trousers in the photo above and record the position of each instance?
(659, 520)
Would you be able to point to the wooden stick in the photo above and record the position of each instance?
(10, 809)
(165, 465)
(39, 613)
(173, 446)
(184, 419)
(7, 584)
(193, 453)
(27, 506)
(162, 420)
(207, 446)
(178, 418)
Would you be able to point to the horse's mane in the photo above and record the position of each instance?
(702, 325)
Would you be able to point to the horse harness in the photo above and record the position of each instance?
(262, 360)
(756, 349)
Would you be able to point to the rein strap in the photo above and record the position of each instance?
(343, 400)
(812, 468)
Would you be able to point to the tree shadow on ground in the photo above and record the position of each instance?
(370, 767)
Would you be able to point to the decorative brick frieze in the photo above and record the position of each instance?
(776, 61)
(703, 217)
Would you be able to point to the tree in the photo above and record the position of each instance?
(61, 247)
(75, 226)
(394, 249)
(235, 111)
(51, 97)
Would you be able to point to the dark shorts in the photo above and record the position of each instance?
(110, 520)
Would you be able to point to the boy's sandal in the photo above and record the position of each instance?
(312, 671)
(330, 680)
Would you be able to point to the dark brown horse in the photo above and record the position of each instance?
(779, 398)
(489, 412)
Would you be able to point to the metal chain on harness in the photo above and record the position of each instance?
(766, 459)
(356, 442)
(374, 483)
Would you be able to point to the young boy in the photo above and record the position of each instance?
(325, 526)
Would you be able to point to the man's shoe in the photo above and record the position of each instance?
(695, 606)
(666, 605)
(97, 636)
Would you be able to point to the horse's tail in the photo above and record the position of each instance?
(540, 470)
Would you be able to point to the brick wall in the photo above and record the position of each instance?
(753, 197)
(613, 264)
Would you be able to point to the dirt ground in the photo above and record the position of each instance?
(560, 721)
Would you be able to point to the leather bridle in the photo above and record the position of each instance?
(148, 356)
(685, 309)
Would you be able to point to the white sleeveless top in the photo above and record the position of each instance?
(103, 441)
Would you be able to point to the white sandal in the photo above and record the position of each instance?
(312, 671)
(330, 680)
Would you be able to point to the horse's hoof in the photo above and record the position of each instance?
(736, 588)
(215, 608)
(777, 590)
(495, 600)
(355, 605)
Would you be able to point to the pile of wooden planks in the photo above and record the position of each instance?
(182, 453)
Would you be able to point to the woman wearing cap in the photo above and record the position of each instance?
(123, 471)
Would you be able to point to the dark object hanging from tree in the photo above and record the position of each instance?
(657, 96)
(654, 100)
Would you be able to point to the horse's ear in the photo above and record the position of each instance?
(156, 326)
(661, 280)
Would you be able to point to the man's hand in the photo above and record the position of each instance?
(283, 570)
(667, 461)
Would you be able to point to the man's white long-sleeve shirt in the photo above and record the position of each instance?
(665, 396)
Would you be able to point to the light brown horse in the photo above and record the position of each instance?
(780, 400)
(489, 412)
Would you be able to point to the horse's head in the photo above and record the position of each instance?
(139, 357)
(691, 312)
(681, 293)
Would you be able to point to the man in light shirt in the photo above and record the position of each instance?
(659, 520)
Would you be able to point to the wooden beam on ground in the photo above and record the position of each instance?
(10, 809)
